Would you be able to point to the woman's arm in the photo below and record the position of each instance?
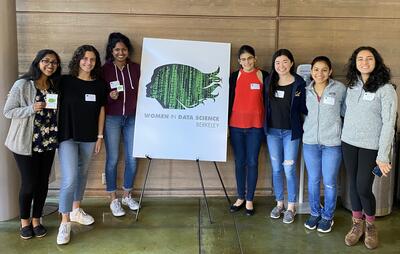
(388, 114)
(13, 108)
(100, 130)
(232, 86)
(303, 104)
(343, 106)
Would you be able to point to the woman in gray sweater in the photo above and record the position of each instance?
(321, 142)
(32, 137)
(368, 130)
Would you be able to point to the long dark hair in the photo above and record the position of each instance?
(113, 39)
(34, 71)
(273, 78)
(77, 57)
(377, 78)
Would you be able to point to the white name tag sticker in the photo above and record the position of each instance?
(329, 100)
(368, 96)
(255, 86)
(114, 84)
(280, 94)
(51, 100)
(120, 88)
(90, 97)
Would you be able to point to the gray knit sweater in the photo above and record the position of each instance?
(19, 108)
(370, 118)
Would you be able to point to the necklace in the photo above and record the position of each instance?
(42, 85)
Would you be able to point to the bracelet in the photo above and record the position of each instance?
(99, 136)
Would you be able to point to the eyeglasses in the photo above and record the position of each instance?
(48, 62)
(246, 59)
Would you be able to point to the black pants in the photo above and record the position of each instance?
(359, 163)
(35, 172)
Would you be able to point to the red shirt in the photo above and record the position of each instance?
(248, 105)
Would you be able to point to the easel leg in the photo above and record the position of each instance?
(204, 192)
(222, 183)
(143, 188)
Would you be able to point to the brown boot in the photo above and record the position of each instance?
(355, 233)
(371, 236)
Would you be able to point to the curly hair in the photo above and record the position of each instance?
(273, 78)
(377, 78)
(34, 71)
(78, 56)
(113, 39)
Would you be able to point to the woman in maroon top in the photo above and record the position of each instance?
(246, 119)
(121, 77)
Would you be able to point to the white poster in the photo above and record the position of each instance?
(182, 110)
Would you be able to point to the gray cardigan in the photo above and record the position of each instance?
(323, 124)
(19, 108)
(370, 119)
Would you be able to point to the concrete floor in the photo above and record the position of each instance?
(181, 225)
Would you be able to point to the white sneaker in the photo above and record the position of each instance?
(64, 233)
(116, 208)
(129, 201)
(78, 215)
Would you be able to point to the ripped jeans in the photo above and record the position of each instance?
(283, 152)
(322, 161)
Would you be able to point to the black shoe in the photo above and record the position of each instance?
(249, 212)
(39, 231)
(234, 209)
(26, 232)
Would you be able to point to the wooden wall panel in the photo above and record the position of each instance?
(174, 177)
(156, 7)
(337, 38)
(307, 27)
(65, 32)
(340, 8)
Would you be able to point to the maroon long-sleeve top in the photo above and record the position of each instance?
(128, 77)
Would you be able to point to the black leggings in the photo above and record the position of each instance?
(35, 171)
(359, 163)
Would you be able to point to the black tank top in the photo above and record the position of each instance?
(280, 108)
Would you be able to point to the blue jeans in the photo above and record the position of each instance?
(74, 163)
(283, 152)
(114, 127)
(322, 161)
(246, 143)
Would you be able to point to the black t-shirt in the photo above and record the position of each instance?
(80, 104)
(280, 108)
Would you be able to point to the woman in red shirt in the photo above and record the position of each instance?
(246, 120)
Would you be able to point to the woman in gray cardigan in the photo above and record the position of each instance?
(321, 142)
(368, 130)
(32, 137)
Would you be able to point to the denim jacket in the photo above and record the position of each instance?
(297, 106)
